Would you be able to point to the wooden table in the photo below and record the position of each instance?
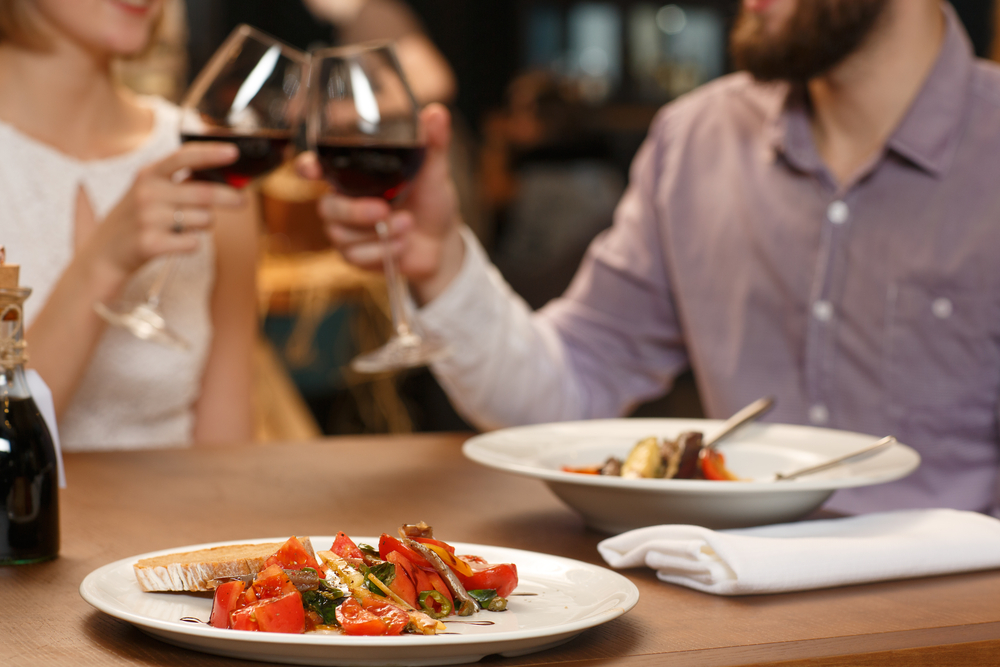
(123, 504)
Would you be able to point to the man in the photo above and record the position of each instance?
(823, 229)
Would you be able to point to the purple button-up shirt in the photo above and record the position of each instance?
(871, 305)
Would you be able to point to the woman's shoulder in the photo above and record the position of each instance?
(166, 120)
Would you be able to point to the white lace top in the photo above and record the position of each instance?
(134, 393)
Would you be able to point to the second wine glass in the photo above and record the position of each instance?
(363, 125)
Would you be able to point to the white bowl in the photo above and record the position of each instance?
(755, 453)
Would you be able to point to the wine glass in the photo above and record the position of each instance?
(364, 127)
(250, 94)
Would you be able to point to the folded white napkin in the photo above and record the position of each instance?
(43, 399)
(812, 554)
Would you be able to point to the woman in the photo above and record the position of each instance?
(91, 208)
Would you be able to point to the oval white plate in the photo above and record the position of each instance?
(565, 598)
(756, 453)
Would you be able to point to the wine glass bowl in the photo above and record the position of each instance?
(249, 94)
(363, 126)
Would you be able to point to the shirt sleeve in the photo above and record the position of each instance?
(619, 323)
(611, 341)
(504, 365)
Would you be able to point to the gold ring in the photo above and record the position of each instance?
(178, 226)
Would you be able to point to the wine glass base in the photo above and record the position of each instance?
(144, 322)
(399, 353)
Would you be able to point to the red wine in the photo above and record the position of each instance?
(370, 170)
(29, 492)
(259, 154)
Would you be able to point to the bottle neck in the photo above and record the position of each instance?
(13, 383)
(13, 353)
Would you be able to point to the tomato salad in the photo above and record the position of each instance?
(406, 584)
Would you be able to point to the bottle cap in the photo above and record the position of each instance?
(9, 273)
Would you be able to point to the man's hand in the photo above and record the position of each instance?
(424, 226)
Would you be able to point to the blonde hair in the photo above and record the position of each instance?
(18, 26)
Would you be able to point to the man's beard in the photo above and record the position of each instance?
(817, 37)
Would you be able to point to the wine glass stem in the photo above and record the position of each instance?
(397, 308)
(156, 289)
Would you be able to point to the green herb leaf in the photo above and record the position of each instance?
(384, 572)
(324, 603)
(483, 595)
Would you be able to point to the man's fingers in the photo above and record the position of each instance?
(436, 120)
(307, 166)
(362, 212)
(197, 155)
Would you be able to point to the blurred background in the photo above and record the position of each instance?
(551, 99)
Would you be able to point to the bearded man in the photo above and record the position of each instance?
(823, 228)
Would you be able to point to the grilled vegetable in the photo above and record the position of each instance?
(644, 460)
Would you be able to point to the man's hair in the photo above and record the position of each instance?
(817, 37)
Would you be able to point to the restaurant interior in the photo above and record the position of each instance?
(534, 195)
(550, 101)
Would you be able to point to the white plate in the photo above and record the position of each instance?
(568, 597)
(756, 452)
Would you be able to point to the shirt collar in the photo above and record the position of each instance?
(930, 130)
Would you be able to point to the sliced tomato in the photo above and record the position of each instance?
(387, 544)
(284, 614)
(226, 601)
(345, 547)
(502, 577)
(356, 620)
(244, 618)
(293, 556)
(248, 597)
(403, 584)
(395, 619)
(272, 582)
(713, 466)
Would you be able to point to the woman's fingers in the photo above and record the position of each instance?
(181, 219)
(196, 155)
(196, 193)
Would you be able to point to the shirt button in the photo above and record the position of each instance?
(838, 212)
(818, 414)
(941, 308)
(823, 310)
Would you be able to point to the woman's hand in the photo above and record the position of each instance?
(424, 227)
(158, 214)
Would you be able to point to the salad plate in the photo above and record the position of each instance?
(556, 599)
(755, 454)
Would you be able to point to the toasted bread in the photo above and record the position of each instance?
(199, 570)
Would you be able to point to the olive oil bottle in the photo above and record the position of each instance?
(29, 492)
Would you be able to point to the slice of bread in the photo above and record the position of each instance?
(198, 570)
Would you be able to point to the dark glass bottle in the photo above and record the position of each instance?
(29, 490)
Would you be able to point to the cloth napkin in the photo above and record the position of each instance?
(43, 399)
(811, 554)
